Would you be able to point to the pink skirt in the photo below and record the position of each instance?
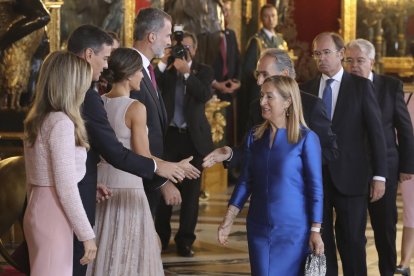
(48, 233)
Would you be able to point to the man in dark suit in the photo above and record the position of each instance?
(356, 121)
(185, 85)
(226, 68)
(152, 31)
(396, 121)
(94, 45)
(275, 62)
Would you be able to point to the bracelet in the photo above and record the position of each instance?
(315, 229)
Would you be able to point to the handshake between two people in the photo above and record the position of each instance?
(174, 172)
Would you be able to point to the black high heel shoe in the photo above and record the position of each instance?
(403, 270)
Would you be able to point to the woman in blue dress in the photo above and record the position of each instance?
(282, 173)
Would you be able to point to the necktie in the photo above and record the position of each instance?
(223, 53)
(178, 118)
(327, 97)
(152, 75)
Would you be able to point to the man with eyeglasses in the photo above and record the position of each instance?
(396, 121)
(356, 121)
(275, 62)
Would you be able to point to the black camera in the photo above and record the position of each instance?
(178, 50)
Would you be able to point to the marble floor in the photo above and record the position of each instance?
(215, 260)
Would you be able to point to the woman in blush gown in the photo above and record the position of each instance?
(125, 231)
(282, 173)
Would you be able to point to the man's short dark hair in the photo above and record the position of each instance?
(265, 7)
(336, 38)
(88, 36)
(149, 20)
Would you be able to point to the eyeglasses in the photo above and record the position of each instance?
(326, 52)
(357, 61)
(257, 74)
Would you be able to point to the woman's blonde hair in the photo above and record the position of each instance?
(287, 88)
(63, 81)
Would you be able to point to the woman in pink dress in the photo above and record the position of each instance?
(55, 153)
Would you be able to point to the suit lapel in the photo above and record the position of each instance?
(378, 84)
(340, 102)
(158, 102)
(314, 87)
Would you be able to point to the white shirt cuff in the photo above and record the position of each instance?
(155, 165)
(231, 155)
(379, 178)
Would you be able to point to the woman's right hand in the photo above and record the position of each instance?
(90, 252)
(223, 232)
(225, 227)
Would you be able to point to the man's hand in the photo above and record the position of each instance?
(169, 170)
(167, 54)
(216, 156)
(102, 192)
(405, 177)
(234, 84)
(377, 190)
(181, 66)
(171, 194)
(221, 86)
(191, 172)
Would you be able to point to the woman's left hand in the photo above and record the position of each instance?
(316, 243)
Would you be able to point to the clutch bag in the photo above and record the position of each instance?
(315, 265)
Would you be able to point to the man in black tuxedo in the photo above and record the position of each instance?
(275, 62)
(356, 121)
(152, 31)
(396, 121)
(185, 85)
(94, 45)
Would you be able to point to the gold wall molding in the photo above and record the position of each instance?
(348, 19)
(128, 28)
(53, 28)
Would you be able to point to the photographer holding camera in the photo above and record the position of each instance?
(185, 86)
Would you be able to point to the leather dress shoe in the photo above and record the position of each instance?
(185, 251)
(402, 270)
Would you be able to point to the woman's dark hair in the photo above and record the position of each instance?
(122, 63)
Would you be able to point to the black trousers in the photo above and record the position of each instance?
(349, 235)
(383, 214)
(179, 146)
(153, 197)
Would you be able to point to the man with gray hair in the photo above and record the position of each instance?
(273, 62)
(396, 122)
(152, 32)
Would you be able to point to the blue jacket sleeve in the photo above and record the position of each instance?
(312, 164)
(242, 190)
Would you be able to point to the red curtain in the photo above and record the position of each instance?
(316, 16)
(139, 4)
